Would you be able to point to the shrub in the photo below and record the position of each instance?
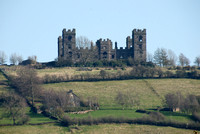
(141, 111)
(24, 120)
(196, 116)
(156, 116)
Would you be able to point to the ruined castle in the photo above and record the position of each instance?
(103, 49)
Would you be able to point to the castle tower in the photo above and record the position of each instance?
(60, 47)
(67, 44)
(128, 42)
(105, 50)
(139, 44)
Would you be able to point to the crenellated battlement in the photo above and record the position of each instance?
(135, 47)
(69, 31)
(139, 31)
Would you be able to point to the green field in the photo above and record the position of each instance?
(106, 91)
(108, 113)
(34, 118)
(3, 84)
(94, 129)
(150, 92)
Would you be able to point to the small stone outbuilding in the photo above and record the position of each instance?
(72, 99)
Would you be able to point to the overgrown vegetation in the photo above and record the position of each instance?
(154, 118)
(14, 107)
(177, 102)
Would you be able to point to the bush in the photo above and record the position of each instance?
(24, 120)
(141, 111)
(196, 116)
(156, 116)
(181, 74)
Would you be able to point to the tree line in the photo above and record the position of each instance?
(27, 91)
(137, 72)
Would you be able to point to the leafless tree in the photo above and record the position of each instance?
(161, 57)
(13, 59)
(19, 59)
(87, 52)
(174, 101)
(14, 106)
(27, 83)
(197, 61)
(191, 104)
(55, 102)
(183, 60)
(3, 57)
(103, 74)
(127, 99)
(172, 58)
(92, 102)
(83, 42)
(149, 57)
(33, 58)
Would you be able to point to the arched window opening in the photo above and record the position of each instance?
(105, 55)
(113, 56)
(69, 38)
(140, 38)
(70, 54)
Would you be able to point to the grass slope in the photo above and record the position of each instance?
(150, 95)
(34, 118)
(94, 129)
(3, 84)
(36, 129)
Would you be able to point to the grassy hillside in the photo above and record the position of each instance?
(106, 91)
(150, 91)
(34, 118)
(3, 84)
(94, 129)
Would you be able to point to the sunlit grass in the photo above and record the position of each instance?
(34, 118)
(129, 129)
(106, 91)
(185, 86)
(36, 129)
(108, 113)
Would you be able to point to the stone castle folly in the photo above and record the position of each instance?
(103, 49)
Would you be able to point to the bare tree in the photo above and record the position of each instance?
(191, 104)
(27, 83)
(83, 42)
(92, 102)
(174, 101)
(149, 57)
(13, 59)
(15, 106)
(19, 59)
(164, 57)
(157, 57)
(127, 99)
(161, 57)
(87, 52)
(3, 57)
(55, 102)
(183, 60)
(197, 61)
(103, 74)
(172, 58)
(33, 58)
